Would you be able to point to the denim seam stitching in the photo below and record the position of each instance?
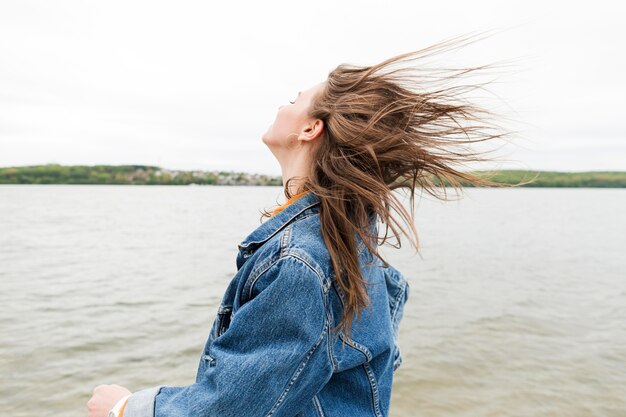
(311, 267)
(285, 239)
(257, 273)
(357, 346)
(318, 406)
(331, 354)
(341, 294)
(279, 228)
(396, 302)
(352, 343)
(333, 358)
(306, 216)
(317, 343)
(298, 371)
(325, 289)
(374, 387)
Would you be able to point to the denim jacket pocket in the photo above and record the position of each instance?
(220, 325)
(398, 290)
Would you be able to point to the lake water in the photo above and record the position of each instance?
(517, 308)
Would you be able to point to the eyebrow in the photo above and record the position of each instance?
(299, 92)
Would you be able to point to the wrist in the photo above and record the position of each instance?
(118, 408)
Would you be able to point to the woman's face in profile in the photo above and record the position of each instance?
(292, 119)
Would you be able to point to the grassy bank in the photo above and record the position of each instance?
(596, 179)
(153, 175)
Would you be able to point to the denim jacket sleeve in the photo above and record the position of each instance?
(271, 361)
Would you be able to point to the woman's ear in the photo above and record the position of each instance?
(313, 130)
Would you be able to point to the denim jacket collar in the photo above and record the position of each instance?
(277, 222)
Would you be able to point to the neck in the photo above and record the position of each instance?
(298, 169)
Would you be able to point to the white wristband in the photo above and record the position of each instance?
(117, 407)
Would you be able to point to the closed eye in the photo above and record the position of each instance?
(294, 101)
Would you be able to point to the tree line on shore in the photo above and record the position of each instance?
(153, 175)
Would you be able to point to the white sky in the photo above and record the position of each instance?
(194, 85)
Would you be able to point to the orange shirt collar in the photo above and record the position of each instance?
(289, 201)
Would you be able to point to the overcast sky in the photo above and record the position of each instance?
(194, 85)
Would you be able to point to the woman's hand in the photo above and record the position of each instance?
(104, 399)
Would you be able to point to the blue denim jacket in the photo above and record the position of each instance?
(271, 352)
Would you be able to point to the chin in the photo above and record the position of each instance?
(268, 140)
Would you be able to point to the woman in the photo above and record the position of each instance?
(308, 326)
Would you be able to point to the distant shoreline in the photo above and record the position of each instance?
(154, 175)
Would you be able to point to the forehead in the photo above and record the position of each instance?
(313, 90)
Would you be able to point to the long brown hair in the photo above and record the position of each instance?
(387, 129)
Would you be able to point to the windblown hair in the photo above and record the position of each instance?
(387, 129)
